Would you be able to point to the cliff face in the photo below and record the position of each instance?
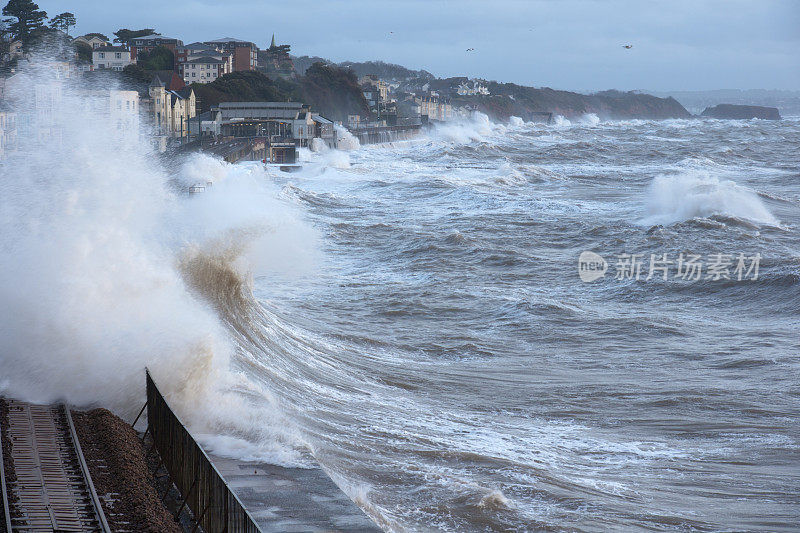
(740, 112)
(509, 99)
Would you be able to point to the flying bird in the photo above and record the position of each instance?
(470, 49)
(627, 46)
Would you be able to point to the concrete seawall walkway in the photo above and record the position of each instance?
(292, 499)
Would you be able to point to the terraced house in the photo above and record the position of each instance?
(111, 58)
(202, 70)
(173, 105)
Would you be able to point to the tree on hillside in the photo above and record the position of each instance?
(28, 18)
(98, 35)
(84, 52)
(333, 91)
(125, 36)
(160, 58)
(5, 37)
(63, 22)
(134, 73)
(243, 87)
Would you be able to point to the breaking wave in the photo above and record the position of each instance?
(672, 199)
(110, 267)
(477, 128)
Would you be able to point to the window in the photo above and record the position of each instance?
(102, 55)
(118, 55)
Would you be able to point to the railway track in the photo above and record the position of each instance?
(52, 490)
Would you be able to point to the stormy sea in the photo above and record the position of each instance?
(412, 315)
(448, 362)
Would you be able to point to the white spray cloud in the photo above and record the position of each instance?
(95, 246)
(477, 128)
(672, 199)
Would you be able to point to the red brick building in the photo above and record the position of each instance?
(243, 53)
(148, 43)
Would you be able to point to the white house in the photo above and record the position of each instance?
(202, 69)
(477, 89)
(197, 50)
(8, 131)
(111, 57)
(119, 108)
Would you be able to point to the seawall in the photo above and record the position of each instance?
(384, 134)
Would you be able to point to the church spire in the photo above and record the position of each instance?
(273, 41)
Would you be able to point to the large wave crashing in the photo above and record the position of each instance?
(108, 268)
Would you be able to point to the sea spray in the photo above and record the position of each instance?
(701, 194)
(101, 254)
(476, 128)
(345, 139)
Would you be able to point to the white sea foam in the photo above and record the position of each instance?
(346, 140)
(495, 500)
(590, 119)
(317, 145)
(95, 287)
(515, 122)
(477, 128)
(561, 122)
(692, 194)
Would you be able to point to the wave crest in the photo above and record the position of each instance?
(673, 199)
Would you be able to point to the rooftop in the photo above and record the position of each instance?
(260, 105)
(320, 119)
(228, 40)
(110, 49)
(154, 36)
(205, 59)
(198, 46)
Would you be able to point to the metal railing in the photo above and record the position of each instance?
(204, 491)
(6, 517)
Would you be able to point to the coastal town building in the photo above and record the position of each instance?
(43, 124)
(111, 57)
(324, 129)
(15, 50)
(202, 69)
(476, 89)
(244, 53)
(377, 88)
(353, 121)
(284, 126)
(172, 106)
(206, 124)
(303, 127)
(93, 40)
(148, 43)
(8, 130)
(121, 109)
(186, 53)
(433, 107)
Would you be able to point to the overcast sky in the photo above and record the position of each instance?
(570, 44)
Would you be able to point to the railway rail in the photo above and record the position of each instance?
(53, 490)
